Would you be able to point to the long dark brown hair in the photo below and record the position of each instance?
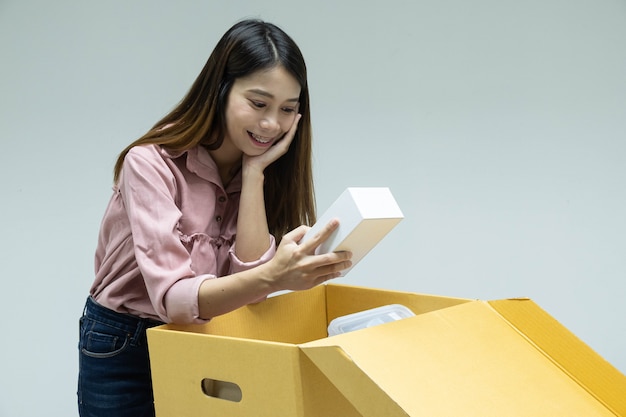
(199, 119)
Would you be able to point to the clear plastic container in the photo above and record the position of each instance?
(368, 318)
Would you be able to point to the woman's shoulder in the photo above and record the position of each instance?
(152, 152)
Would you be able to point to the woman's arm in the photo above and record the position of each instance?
(252, 230)
(253, 236)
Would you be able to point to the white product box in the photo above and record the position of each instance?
(365, 214)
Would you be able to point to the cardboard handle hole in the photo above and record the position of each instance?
(223, 390)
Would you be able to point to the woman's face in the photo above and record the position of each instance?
(261, 108)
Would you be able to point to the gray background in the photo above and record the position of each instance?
(499, 126)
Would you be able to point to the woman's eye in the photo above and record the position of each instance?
(257, 104)
(288, 109)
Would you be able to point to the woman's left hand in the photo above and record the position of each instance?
(277, 150)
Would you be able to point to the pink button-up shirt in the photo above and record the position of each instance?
(169, 226)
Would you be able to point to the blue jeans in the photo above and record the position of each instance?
(114, 367)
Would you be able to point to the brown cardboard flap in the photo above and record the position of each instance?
(463, 360)
(572, 355)
(357, 387)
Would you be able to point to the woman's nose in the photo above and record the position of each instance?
(269, 123)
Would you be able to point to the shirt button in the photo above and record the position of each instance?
(221, 199)
(218, 218)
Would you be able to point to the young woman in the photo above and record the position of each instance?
(207, 213)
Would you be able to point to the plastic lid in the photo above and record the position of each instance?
(368, 318)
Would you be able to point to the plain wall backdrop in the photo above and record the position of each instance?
(498, 125)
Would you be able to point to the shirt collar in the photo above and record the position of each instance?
(200, 162)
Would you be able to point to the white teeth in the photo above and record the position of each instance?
(261, 138)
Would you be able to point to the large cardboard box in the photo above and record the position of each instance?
(456, 357)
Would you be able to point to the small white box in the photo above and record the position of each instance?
(365, 214)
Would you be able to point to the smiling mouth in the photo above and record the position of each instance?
(261, 139)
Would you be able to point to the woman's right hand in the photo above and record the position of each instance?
(295, 266)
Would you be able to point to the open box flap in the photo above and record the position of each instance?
(464, 360)
(573, 356)
(355, 385)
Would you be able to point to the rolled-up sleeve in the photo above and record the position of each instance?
(237, 265)
(181, 300)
